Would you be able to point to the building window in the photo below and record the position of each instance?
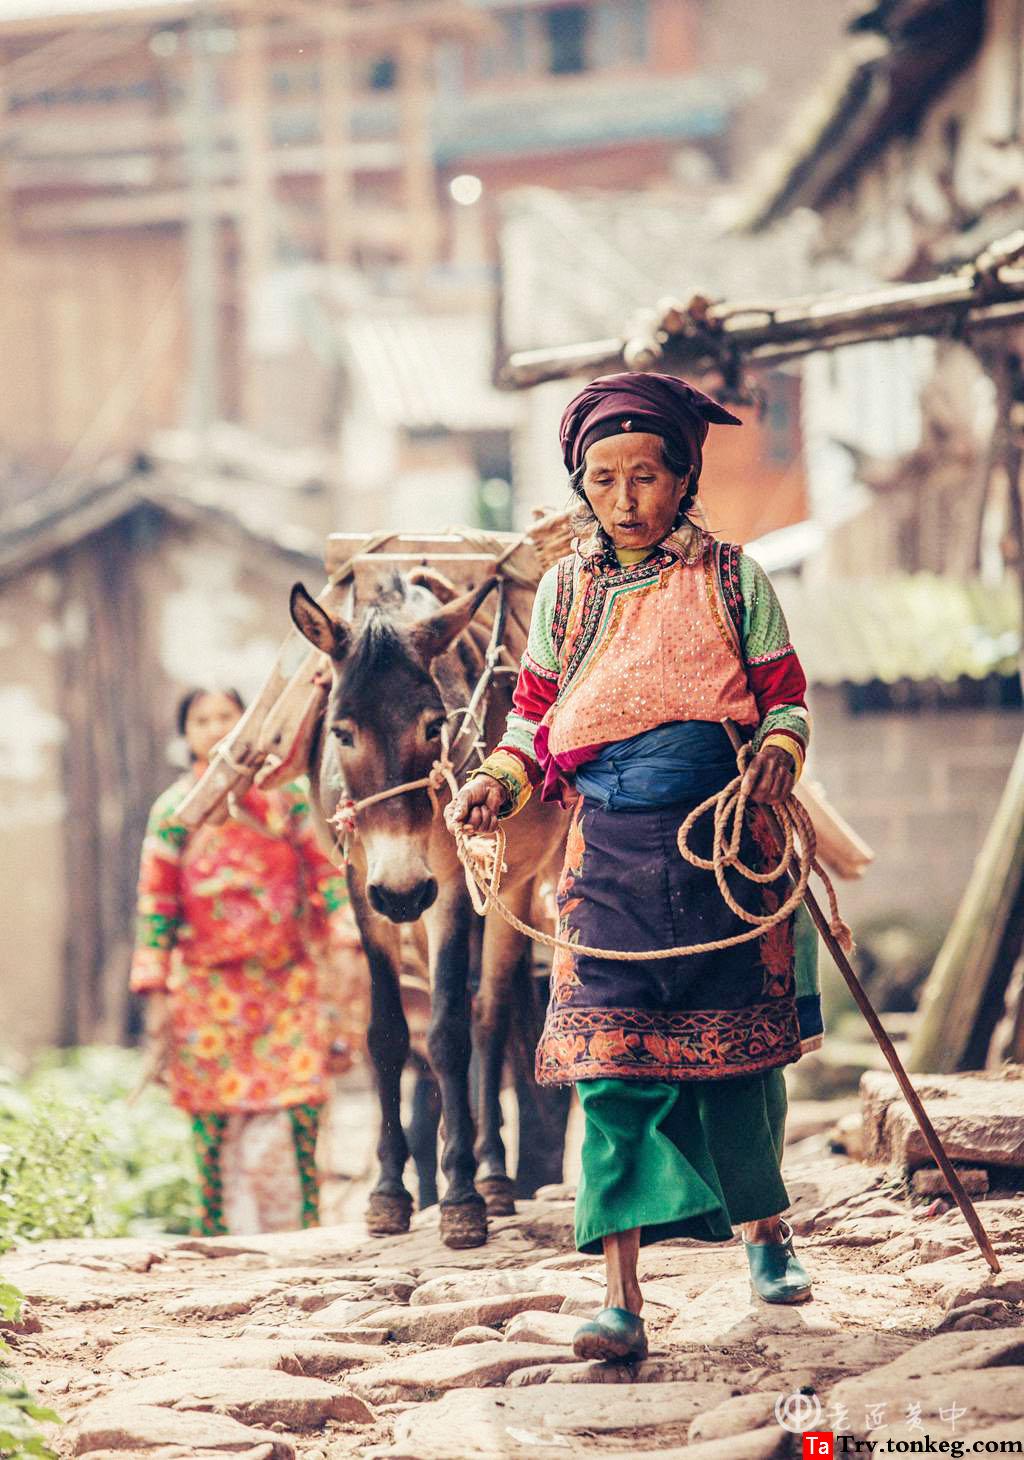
(620, 34)
(567, 34)
(383, 73)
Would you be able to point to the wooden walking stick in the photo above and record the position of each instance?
(887, 1047)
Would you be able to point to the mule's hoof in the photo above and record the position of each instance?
(388, 1215)
(464, 1224)
(497, 1192)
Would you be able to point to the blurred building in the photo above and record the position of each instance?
(111, 607)
(574, 266)
(911, 155)
(185, 198)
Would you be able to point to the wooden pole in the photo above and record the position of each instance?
(965, 991)
(696, 336)
(338, 183)
(204, 371)
(887, 1047)
(256, 213)
(419, 183)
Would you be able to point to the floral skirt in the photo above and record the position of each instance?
(246, 1038)
(705, 1016)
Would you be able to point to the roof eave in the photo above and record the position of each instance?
(878, 87)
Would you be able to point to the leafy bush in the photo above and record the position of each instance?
(19, 1412)
(77, 1160)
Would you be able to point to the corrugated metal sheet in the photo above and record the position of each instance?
(917, 627)
(428, 372)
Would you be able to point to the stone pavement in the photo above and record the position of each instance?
(329, 1343)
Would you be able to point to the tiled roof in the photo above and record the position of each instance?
(901, 56)
(917, 627)
(427, 371)
(578, 266)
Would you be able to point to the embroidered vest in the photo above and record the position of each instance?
(647, 644)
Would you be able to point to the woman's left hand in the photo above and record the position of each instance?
(770, 775)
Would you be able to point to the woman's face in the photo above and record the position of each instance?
(634, 495)
(210, 717)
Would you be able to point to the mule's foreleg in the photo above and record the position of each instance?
(503, 951)
(387, 1040)
(463, 1215)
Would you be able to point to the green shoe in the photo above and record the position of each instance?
(776, 1273)
(615, 1335)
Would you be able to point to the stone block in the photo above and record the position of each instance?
(573, 1422)
(462, 1287)
(111, 1425)
(426, 1375)
(439, 1322)
(291, 1356)
(929, 1181)
(541, 1327)
(251, 1396)
(885, 1396)
(979, 1118)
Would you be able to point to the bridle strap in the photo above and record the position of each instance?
(448, 767)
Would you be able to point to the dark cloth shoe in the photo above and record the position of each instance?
(776, 1273)
(615, 1335)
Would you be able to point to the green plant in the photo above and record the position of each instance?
(20, 1414)
(78, 1159)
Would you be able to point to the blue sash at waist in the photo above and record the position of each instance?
(685, 760)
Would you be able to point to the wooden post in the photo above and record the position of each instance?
(203, 283)
(419, 187)
(256, 221)
(338, 190)
(962, 1000)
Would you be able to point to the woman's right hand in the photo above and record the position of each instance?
(156, 1014)
(158, 1033)
(477, 806)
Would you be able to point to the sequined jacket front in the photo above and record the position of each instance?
(693, 632)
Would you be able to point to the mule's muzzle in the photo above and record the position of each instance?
(404, 906)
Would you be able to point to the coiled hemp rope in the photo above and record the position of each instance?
(483, 858)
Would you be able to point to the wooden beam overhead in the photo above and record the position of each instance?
(702, 336)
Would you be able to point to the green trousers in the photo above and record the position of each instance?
(688, 1159)
(208, 1131)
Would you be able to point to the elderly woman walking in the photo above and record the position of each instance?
(643, 642)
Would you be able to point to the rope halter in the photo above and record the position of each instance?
(345, 820)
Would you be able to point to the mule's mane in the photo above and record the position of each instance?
(379, 643)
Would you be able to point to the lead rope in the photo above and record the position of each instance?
(483, 858)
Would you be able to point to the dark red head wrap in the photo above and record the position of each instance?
(663, 405)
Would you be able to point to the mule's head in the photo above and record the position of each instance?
(384, 723)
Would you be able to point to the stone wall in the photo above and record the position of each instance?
(921, 788)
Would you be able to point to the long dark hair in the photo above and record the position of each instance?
(188, 700)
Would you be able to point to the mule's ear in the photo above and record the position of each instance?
(432, 636)
(330, 635)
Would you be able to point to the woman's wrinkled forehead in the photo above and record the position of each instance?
(624, 453)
